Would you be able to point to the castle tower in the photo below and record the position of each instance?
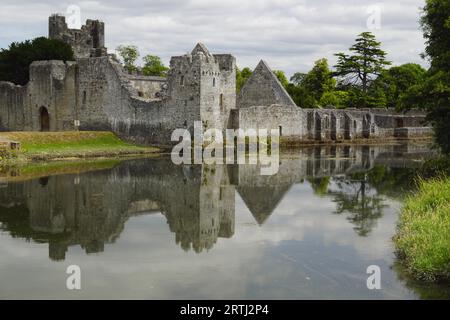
(89, 41)
(203, 87)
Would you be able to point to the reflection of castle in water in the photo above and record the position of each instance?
(198, 201)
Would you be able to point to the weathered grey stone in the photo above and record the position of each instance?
(89, 41)
(263, 89)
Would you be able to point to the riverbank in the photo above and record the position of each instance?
(45, 146)
(423, 233)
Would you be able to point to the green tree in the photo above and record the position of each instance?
(316, 88)
(301, 96)
(335, 98)
(319, 79)
(153, 66)
(362, 66)
(395, 82)
(129, 55)
(16, 59)
(434, 94)
(242, 77)
(435, 23)
(297, 78)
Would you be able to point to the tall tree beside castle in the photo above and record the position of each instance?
(395, 83)
(16, 59)
(358, 70)
(316, 88)
(435, 92)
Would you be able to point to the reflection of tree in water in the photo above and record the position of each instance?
(360, 194)
(358, 199)
(393, 182)
(319, 185)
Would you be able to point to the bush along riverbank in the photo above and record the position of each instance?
(43, 146)
(423, 234)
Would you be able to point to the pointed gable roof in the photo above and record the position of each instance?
(262, 200)
(200, 47)
(263, 89)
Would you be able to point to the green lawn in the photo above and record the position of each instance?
(423, 235)
(50, 145)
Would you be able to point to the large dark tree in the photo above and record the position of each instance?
(395, 82)
(358, 69)
(435, 93)
(16, 59)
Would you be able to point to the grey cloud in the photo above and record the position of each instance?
(290, 34)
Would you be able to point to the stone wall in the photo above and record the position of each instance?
(290, 121)
(148, 87)
(51, 89)
(12, 106)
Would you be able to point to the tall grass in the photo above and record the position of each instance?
(423, 233)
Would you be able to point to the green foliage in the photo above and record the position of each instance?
(434, 94)
(335, 98)
(48, 145)
(319, 79)
(316, 88)
(298, 78)
(435, 24)
(301, 96)
(16, 59)
(320, 185)
(153, 66)
(395, 83)
(360, 68)
(242, 77)
(129, 55)
(423, 233)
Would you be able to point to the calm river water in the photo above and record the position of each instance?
(150, 229)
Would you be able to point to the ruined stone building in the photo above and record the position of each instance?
(95, 93)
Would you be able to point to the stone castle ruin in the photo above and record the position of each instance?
(96, 93)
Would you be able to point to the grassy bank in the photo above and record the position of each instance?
(72, 144)
(34, 170)
(423, 233)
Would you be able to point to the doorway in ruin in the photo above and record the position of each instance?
(44, 119)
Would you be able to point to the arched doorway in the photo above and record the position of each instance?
(44, 119)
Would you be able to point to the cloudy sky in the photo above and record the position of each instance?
(289, 34)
